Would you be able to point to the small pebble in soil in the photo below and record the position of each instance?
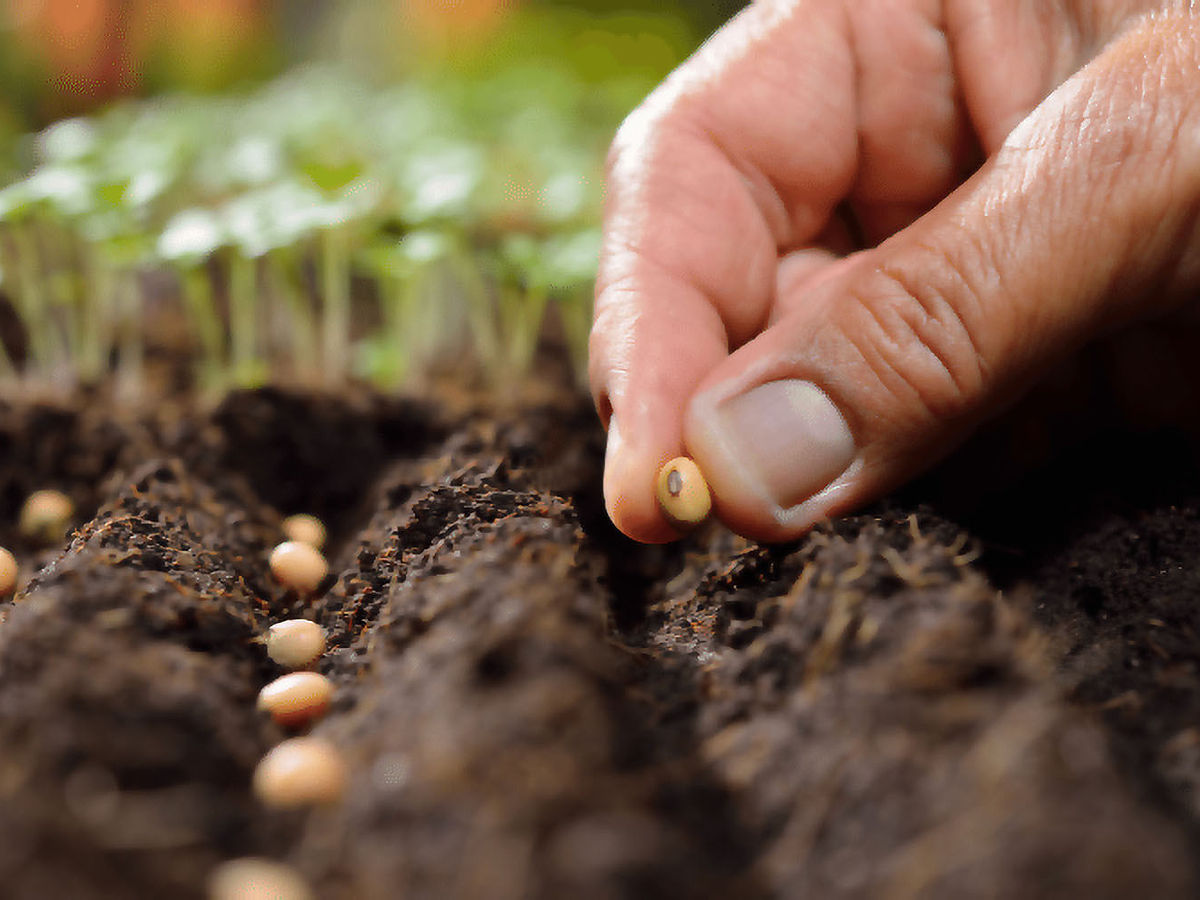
(298, 566)
(46, 517)
(256, 879)
(296, 699)
(305, 529)
(683, 493)
(302, 771)
(8, 573)
(295, 643)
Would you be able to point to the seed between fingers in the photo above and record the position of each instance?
(683, 494)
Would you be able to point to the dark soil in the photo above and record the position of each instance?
(1000, 701)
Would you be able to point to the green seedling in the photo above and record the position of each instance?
(322, 227)
(186, 244)
(414, 319)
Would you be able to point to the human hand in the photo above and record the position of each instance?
(737, 321)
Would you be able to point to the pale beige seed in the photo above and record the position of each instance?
(306, 529)
(8, 573)
(302, 771)
(683, 493)
(298, 566)
(46, 517)
(295, 643)
(256, 879)
(296, 698)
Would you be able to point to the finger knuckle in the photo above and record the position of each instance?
(913, 333)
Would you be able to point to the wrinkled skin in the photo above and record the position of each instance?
(1022, 177)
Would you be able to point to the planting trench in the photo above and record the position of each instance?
(531, 706)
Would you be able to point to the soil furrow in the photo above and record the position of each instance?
(127, 715)
(497, 748)
(889, 726)
(531, 706)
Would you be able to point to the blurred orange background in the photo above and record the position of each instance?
(64, 57)
(68, 56)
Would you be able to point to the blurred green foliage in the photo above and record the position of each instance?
(334, 221)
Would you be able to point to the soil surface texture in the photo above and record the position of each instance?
(931, 699)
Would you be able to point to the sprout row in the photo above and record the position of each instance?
(313, 229)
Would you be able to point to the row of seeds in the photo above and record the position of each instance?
(44, 520)
(300, 771)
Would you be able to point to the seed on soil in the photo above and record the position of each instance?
(302, 771)
(305, 529)
(297, 698)
(295, 643)
(298, 566)
(8, 573)
(46, 516)
(683, 493)
(256, 879)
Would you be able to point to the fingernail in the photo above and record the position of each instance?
(786, 437)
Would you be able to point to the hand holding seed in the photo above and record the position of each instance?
(844, 234)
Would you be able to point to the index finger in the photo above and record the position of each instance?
(743, 152)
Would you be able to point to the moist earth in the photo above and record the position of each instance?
(926, 700)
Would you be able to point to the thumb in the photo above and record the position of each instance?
(1085, 220)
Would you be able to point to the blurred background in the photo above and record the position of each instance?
(67, 57)
(344, 189)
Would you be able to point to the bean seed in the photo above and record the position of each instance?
(305, 529)
(683, 493)
(295, 643)
(302, 771)
(8, 573)
(298, 566)
(256, 879)
(297, 698)
(46, 517)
